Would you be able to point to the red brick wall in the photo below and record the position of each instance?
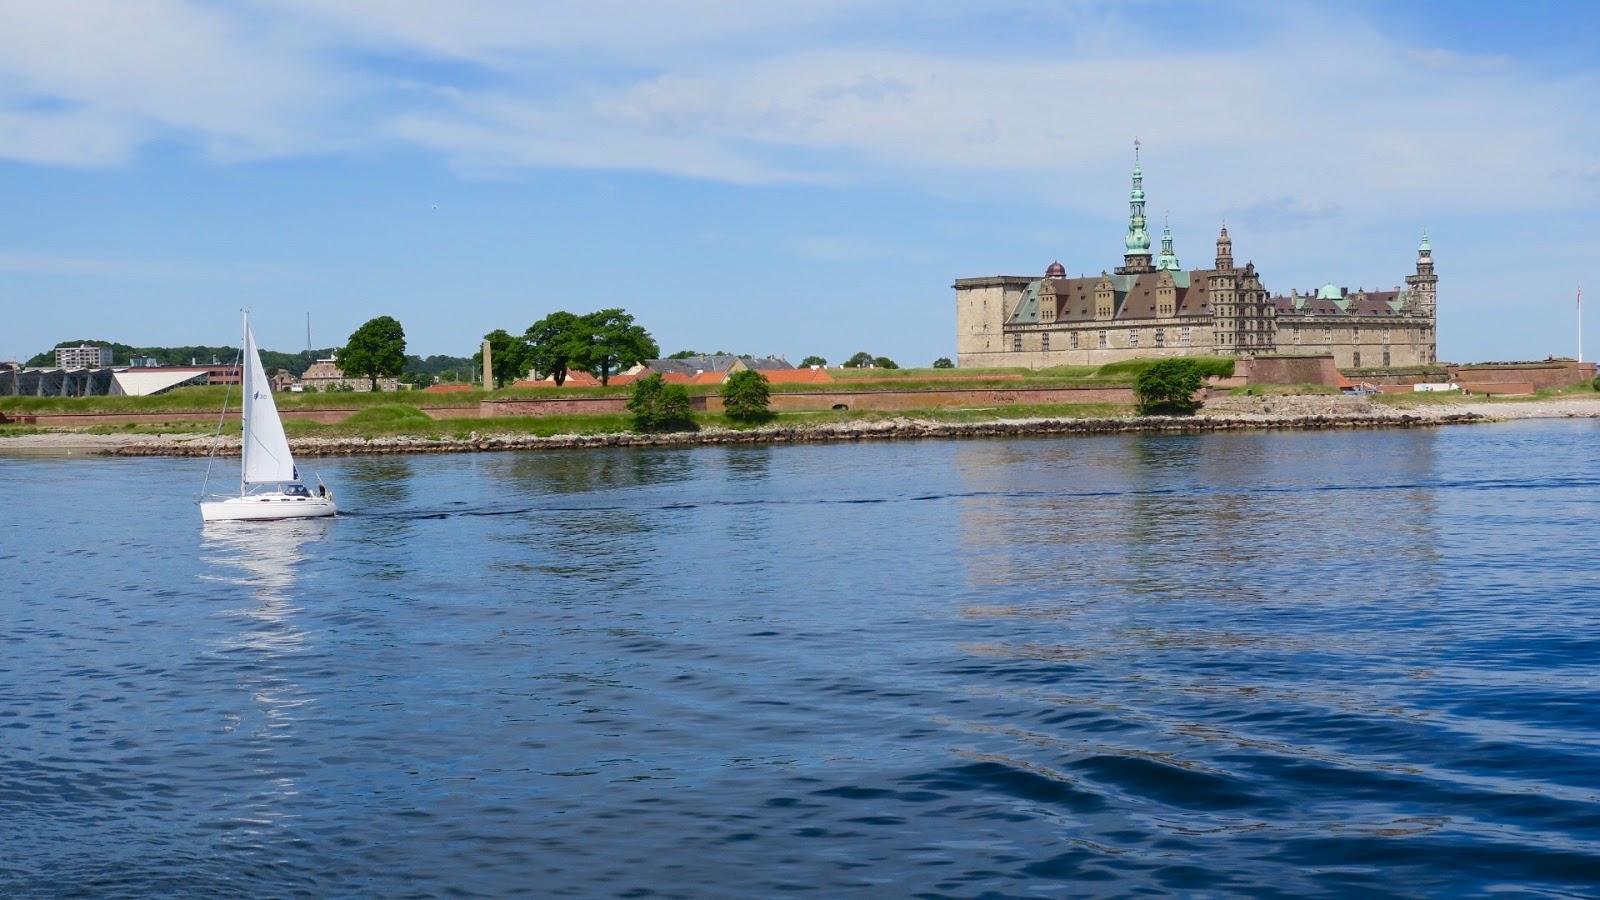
(1540, 375)
(1289, 370)
(888, 401)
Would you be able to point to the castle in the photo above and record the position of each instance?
(1153, 307)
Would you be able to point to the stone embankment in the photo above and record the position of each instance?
(890, 429)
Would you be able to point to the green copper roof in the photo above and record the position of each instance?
(1329, 292)
(1138, 240)
(1169, 259)
(1028, 307)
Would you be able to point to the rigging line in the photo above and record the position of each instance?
(211, 457)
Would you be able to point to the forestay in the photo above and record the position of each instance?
(266, 449)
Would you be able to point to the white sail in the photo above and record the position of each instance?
(266, 449)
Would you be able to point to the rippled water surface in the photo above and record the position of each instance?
(1360, 663)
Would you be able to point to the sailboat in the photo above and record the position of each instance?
(269, 483)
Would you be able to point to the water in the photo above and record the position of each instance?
(1271, 664)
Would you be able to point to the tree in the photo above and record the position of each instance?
(375, 350)
(508, 356)
(658, 406)
(884, 362)
(1169, 386)
(943, 362)
(859, 361)
(746, 396)
(684, 354)
(554, 344)
(615, 343)
(810, 361)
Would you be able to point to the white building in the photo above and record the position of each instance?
(83, 356)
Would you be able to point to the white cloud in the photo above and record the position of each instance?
(132, 70)
(1329, 113)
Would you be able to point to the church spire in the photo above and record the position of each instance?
(1137, 255)
(1224, 250)
(1168, 259)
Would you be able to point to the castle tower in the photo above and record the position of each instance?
(1222, 285)
(1424, 299)
(1137, 256)
(1424, 284)
(1168, 260)
(1224, 251)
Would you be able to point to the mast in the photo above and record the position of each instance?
(244, 390)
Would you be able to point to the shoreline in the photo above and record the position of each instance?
(1262, 413)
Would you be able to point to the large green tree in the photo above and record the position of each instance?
(1169, 386)
(810, 361)
(375, 350)
(859, 361)
(746, 396)
(556, 343)
(508, 356)
(615, 343)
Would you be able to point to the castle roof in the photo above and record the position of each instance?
(1135, 296)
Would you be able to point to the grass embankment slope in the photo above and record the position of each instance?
(197, 409)
(209, 400)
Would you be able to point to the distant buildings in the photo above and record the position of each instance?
(710, 369)
(325, 375)
(83, 356)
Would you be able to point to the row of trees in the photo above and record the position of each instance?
(601, 343)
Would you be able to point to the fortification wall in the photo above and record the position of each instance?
(1319, 369)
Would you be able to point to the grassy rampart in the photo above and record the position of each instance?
(202, 401)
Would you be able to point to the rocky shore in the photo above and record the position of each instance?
(889, 429)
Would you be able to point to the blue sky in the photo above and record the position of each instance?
(771, 177)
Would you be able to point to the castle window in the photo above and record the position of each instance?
(1296, 334)
(1357, 362)
(1044, 342)
(1072, 340)
(1133, 337)
(1327, 335)
(1386, 356)
(1386, 335)
(1016, 343)
(1186, 336)
(1161, 337)
(1103, 339)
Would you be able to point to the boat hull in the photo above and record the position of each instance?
(266, 508)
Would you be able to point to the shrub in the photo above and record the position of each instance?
(943, 362)
(884, 362)
(746, 396)
(658, 406)
(1168, 386)
(1595, 383)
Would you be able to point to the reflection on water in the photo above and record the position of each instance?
(257, 564)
